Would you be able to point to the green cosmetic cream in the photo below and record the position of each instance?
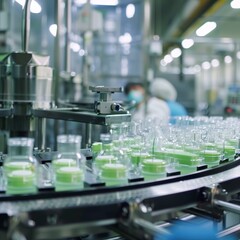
(153, 168)
(69, 178)
(137, 158)
(13, 166)
(97, 147)
(21, 181)
(114, 174)
(104, 159)
(228, 150)
(233, 142)
(211, 157)
(183, 157)
(64, 162)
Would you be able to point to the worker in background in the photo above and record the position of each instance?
(155, 108)
(164, 90)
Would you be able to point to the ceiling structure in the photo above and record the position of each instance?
(176, 20)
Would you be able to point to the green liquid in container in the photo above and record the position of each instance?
(153, 169)
(104, 159)
(233, 142)
(69, 178)
(137, 158)
(136, 147)
(229, 151)
(127, 142)
(97, 147)
(153, 166)
(13, 166)
(64, 162)
(186, 169)
(192, 149)
(211, 157)
(183, 157)
(209, 146)
(114, 174)
(21, 182)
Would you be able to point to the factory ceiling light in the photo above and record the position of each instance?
(53, 29)
(197, 68)
(215, 63)
(168, 58)
(235, 4)
(227, 59)
(238, 55)
(206, 28)
(130, 10)
(176, 52)
(98, 2)
(34, 8)
(75, 46)
(82, 52)
(187, 43)
(125, 39)
(163, 63)
(206, 65)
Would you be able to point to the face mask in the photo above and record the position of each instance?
(135, 96)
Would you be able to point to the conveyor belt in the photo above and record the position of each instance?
(53, 215)
(183, 185)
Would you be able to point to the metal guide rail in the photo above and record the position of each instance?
(52, 215)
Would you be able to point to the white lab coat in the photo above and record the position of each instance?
(156, 109)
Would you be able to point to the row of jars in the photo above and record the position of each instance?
(23, 174)
(150, 149)
(146, 149)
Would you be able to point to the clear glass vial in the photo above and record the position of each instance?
(69, 165)
(20, 167)
(69, 155)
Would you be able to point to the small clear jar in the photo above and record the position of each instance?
(20, 167)
(69, 165)
(137, 158)
(106, 156)
(69, 155)
(184, 161)
(227, 150)
(211, 157)
(69, 178)
(153, 168)
(116, 131)
(97, 148)
(114, 174)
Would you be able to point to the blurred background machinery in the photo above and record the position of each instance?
(127, 41)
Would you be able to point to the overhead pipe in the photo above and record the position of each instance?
(205, 7)
(26, 26)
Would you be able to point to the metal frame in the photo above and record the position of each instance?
(74, 114)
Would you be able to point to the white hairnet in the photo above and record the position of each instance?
(161, 88)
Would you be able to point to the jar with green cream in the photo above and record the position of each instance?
(20, 167)
(114, 174)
